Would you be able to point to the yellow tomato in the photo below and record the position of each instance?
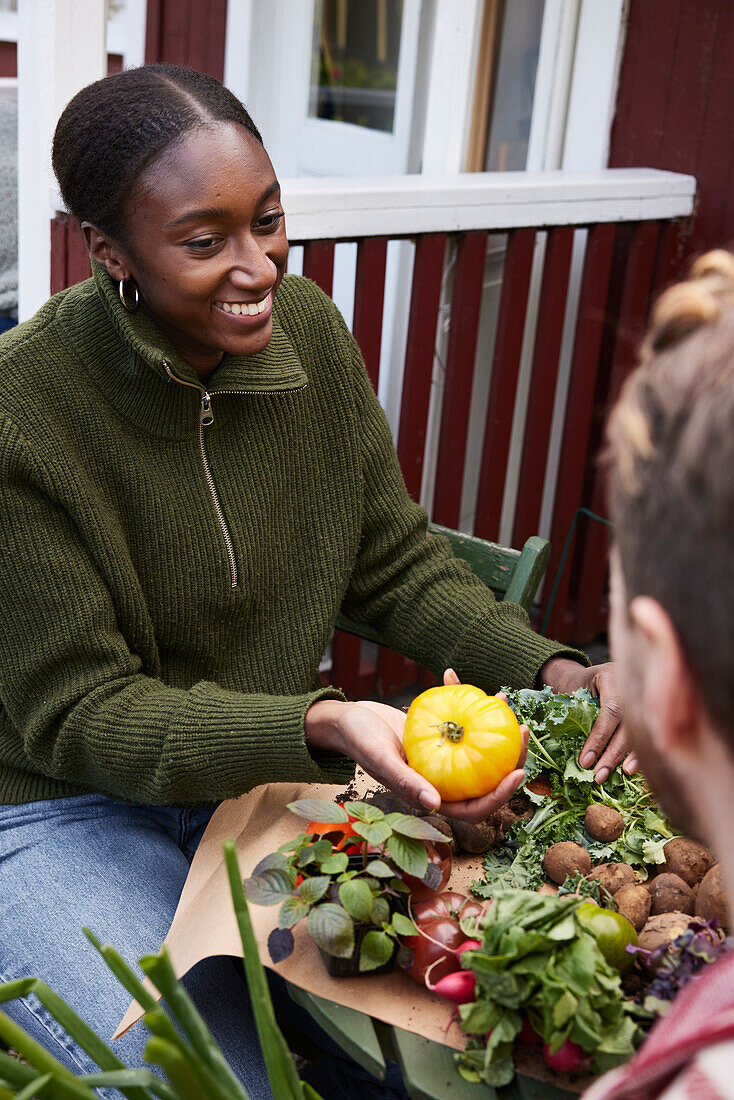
(461, 740)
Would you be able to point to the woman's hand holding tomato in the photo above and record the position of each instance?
(371, 734)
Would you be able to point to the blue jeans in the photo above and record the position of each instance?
(119, 869)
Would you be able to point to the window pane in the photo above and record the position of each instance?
(354, 65)
(512, 104)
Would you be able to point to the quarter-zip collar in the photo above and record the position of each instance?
(125, 355)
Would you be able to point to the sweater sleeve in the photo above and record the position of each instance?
(430, 605)
(79, 706)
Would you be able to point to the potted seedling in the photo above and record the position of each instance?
(349, 875)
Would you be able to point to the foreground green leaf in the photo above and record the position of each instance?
(72, 1024)
(284, 1081)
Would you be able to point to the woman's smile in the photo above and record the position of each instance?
(250, 313)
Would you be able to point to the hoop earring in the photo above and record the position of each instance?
(121, 289)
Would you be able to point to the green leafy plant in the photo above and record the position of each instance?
(559, 725)
(540, 967)
(192, 1065)
(582, 887)
(346, 877)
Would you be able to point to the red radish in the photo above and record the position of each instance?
(528, 1035)
(460, 987)
(468, 945)
(565, 1060)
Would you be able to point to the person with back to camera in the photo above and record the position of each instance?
(671, 458)
(196, 476)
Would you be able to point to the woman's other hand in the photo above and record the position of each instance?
(606, 745)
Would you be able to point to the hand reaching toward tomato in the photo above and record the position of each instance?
(606, 745)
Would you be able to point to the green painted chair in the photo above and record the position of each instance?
(515, 575)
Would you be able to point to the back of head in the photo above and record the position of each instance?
(114, 128)
(671, 474)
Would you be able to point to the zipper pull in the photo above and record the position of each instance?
(206, 416)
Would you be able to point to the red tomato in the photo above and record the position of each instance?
(436, 940)
(442, 859)
(448, 904)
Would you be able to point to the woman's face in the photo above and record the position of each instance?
(207, 244)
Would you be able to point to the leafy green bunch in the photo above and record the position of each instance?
(559, 726)
(191, 1065)
(539, 963)
(340, 892)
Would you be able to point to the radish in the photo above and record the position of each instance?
(567, 1059)
(528, 1036)
(468, 945)
(460, 987)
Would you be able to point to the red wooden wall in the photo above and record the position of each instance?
(8, 59)
(187, 32)
(673, 112)
(674, 108)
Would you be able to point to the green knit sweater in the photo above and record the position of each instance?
(168, 587)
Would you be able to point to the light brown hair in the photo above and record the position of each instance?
(670, 460)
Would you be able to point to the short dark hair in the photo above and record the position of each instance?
(114, 128)
(670, 458)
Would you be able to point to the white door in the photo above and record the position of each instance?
(331, 83)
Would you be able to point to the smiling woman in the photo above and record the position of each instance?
(195, 478)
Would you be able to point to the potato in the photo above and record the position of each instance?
(711, 900)
(688, 859)
(564, 858)
(663, 929)
(506, 818)
(476, 838)
(520, 804)
(613, 876)
(634, 903)
(670, 894)
(603, 822)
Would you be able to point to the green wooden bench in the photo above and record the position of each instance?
(515, 575)
(428, 1068)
